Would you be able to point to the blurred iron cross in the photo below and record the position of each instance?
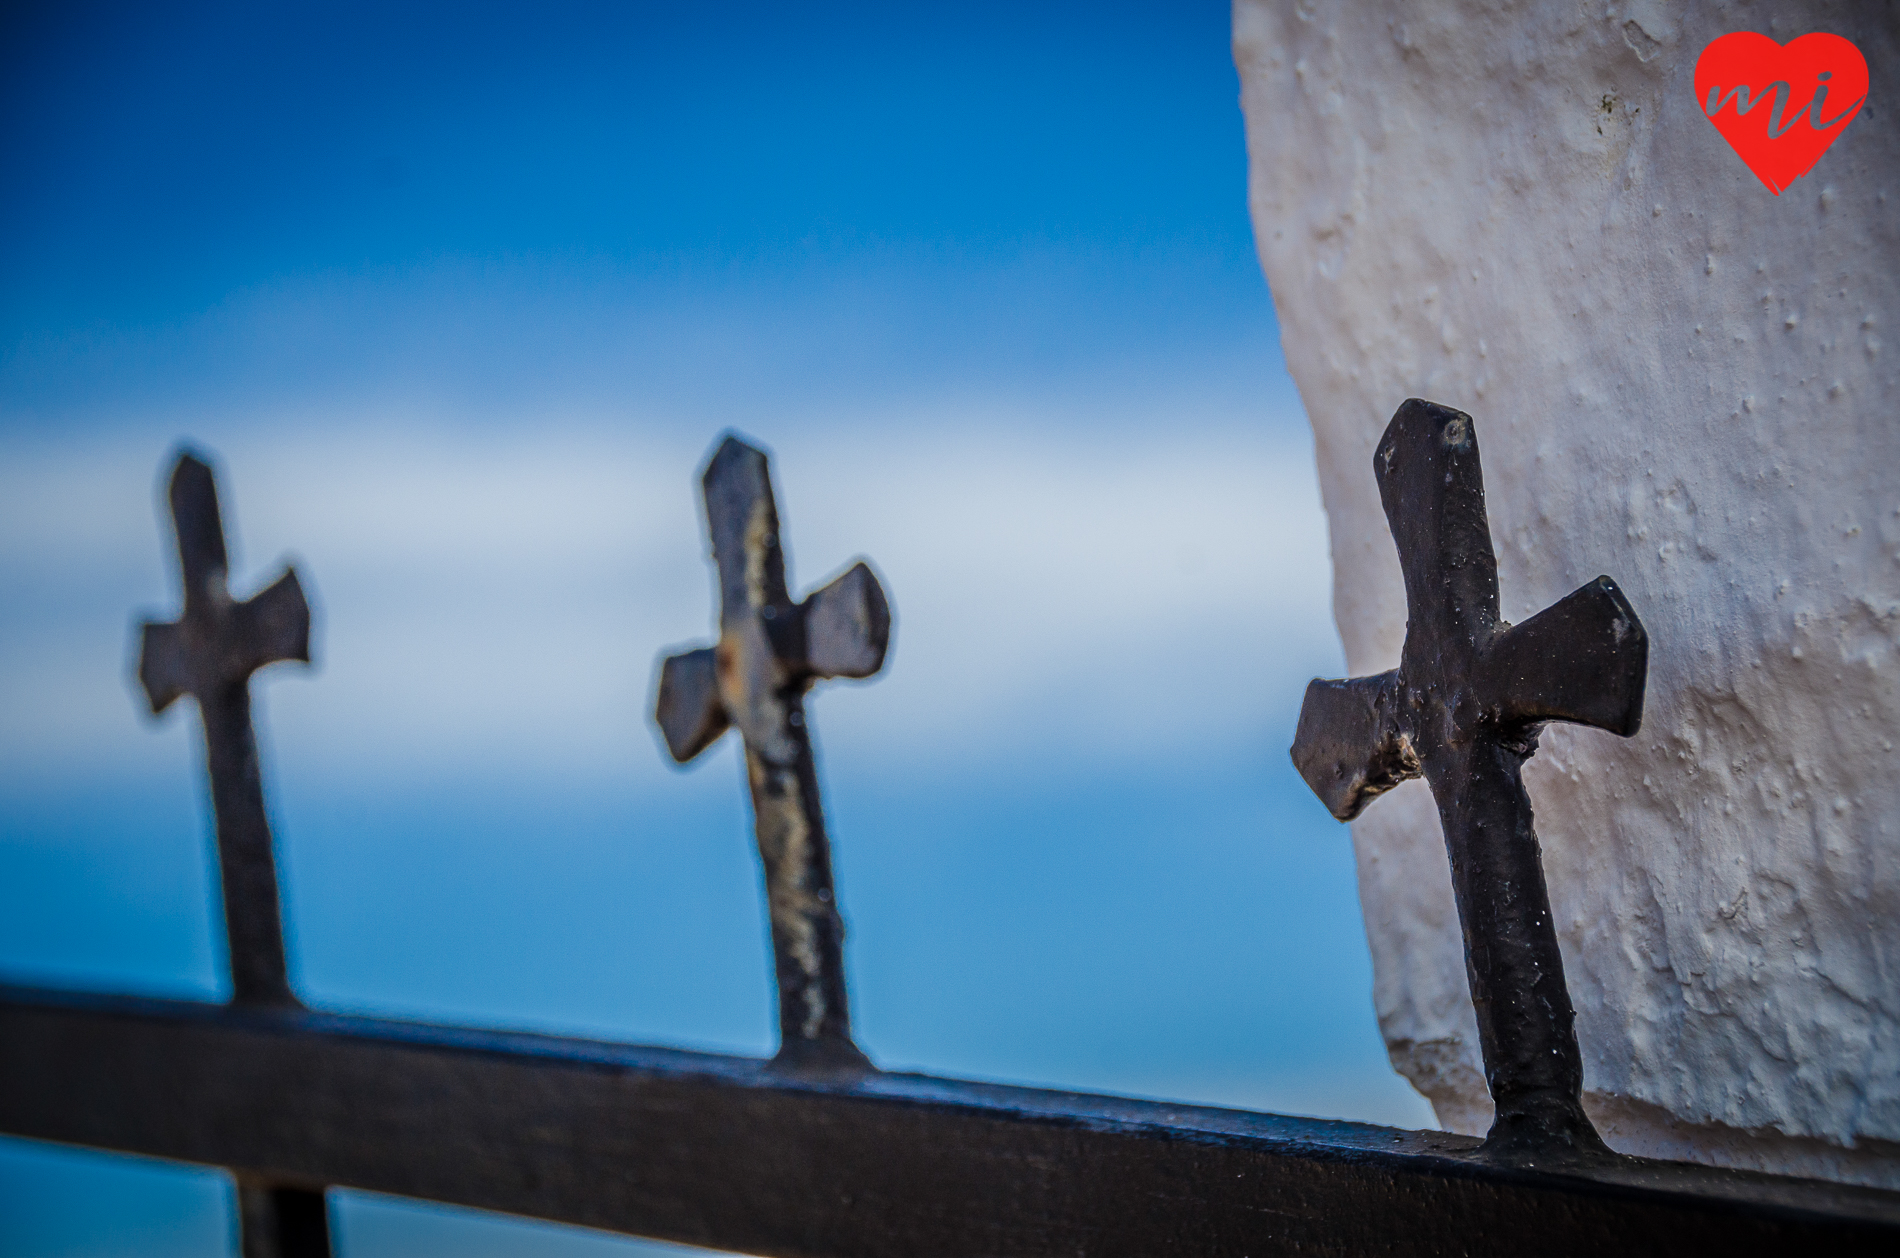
(770, 651)
(210, 653)
(1464, 709)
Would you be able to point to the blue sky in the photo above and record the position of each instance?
(513, 204)
(461, 297)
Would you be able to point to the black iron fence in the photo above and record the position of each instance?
(817, 1152)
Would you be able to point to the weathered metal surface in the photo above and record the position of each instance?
(1463, 709)
(731, 1153)
(209, 653)
(769, 653)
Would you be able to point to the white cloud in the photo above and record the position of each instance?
(498, 599)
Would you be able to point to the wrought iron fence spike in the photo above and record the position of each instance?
(1462, 710)
(770, 651)
(210, 652)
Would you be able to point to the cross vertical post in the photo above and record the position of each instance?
(1463, 710)
(770, 651)
(210, 652)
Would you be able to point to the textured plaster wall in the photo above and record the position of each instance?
(1682, 381)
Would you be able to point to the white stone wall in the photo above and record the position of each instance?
(1682, 381)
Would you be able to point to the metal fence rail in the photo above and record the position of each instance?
(732, 1153)
(817, 1152)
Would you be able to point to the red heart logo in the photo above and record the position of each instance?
(1822, 78)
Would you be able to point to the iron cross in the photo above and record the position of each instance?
(210, 653)
(770, 651)
(1464, 709)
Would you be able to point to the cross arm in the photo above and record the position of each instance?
(272, 626)
(1349, 746)
(164, 669)
(689, 711)
(846, 630)
(1583, 659)
(181, 658)
(848, 626)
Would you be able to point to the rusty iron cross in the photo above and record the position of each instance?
(769, 653)
(210, 653)
(1463, 709)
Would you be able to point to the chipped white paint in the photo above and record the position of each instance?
(1679, 380)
